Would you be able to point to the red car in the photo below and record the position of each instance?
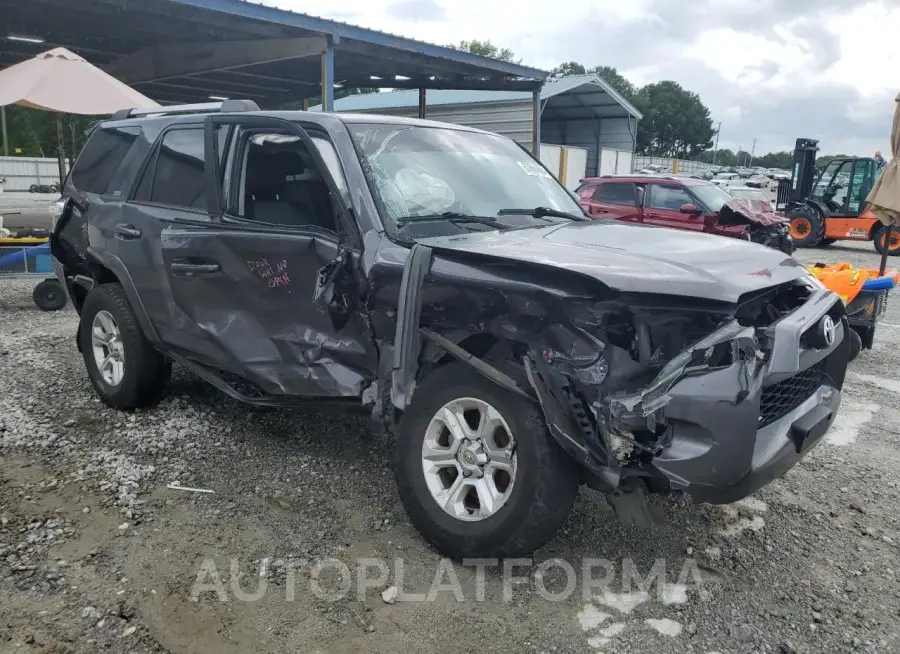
(682, 203)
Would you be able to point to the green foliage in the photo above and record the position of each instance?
(32, 133)
(487, 49)
(676, 123)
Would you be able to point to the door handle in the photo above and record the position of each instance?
(601, 210)
(185, 268)
(125, 232)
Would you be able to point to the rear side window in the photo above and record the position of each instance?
(615, 193)
(101, 158)
(176, 174)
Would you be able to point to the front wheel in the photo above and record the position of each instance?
(477, 471)
(807, 227)
(879, 236)
(124, 369)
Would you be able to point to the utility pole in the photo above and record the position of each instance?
(752, 150)
(716, 151)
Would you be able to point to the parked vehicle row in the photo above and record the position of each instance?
(441, 279)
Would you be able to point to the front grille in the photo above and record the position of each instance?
(780, 399)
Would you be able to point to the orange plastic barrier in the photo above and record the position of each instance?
(845, 280)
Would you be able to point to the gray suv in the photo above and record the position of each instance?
(441, 279)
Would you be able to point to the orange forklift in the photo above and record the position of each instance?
(831, 206)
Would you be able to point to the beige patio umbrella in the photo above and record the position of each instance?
(61, 81)
(885, 195)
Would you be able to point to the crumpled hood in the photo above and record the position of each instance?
(638, 259)
(740, 211)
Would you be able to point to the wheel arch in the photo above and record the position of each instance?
(106, 268)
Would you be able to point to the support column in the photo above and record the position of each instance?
(422, 103)
(5, 135)
(536, 124)
(327, 80)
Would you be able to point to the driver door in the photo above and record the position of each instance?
(267, 287)
(663, 207)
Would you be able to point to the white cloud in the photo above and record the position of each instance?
(767, 69)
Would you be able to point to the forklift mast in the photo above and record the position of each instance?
(800, 186)
(803, 174)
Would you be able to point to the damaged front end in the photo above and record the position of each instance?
(706, 401)
(762, 224)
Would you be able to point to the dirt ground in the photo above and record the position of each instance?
(98, 554)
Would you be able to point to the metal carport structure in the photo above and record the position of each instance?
(183, 51)
(583, 111)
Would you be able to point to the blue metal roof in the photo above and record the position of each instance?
(107, 31)
(408, 98)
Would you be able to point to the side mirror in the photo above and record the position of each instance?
(690, 208)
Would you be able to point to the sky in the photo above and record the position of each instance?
(770, 70)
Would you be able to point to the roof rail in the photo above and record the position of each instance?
(198, 108)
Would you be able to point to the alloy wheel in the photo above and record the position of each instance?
(469, 459)
(106, 344)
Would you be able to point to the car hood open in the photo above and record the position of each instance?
(639, 259)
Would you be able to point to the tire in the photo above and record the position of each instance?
(144, 371)
(538, 495)
(807, 227)
(34, 188)
(878, 236)
(49, 295)
(856, 344)
(827, 241)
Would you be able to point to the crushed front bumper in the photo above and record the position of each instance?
(722, 450)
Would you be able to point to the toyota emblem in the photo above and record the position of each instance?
(827, 329)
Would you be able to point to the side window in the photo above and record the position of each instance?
(280, 184)
(176, 174)
(101, 158)
(669, 198)
(615, 193)
(585, 190)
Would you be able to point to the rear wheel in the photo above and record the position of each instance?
(879, 237)
(124, 368)
(807, 226)
(477, 471)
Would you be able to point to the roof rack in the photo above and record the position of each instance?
(198, 108)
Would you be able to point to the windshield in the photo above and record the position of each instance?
(418, 172)
(712, 196)
(750, 194)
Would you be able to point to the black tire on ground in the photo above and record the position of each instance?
(827, 241)
(856, 344)
(543, 491)
(146, 371)
(49, 295)
(34, 188)
(807, 226)
(878, 237)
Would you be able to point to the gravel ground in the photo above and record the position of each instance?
(98, 554)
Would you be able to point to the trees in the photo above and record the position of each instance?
(676, 123)
(487, 49)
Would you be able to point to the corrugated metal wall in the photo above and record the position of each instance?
(22, 172)
(590, 135)
(512, 119)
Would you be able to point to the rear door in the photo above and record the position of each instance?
(663, 206)
(266, 284)
(614, 199)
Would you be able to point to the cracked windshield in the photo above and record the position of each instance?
(426, 173)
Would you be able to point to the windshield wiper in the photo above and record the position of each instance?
(540, 212)
(455, 218)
